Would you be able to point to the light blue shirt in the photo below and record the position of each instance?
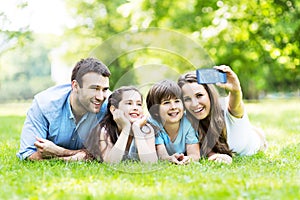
(50, 117)
(186, 135)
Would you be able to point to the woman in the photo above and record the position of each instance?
(123, 132)
(218, 126)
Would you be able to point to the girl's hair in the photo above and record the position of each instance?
(93, 140)
(212, 129)
(162, 90)
(108, 121)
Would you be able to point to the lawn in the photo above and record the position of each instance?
(274, 174)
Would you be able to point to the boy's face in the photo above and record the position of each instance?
(171, 111)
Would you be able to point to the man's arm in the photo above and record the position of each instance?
(32, 144)
(69, 155)
(47, 149)
(35, 125)
(35, 156)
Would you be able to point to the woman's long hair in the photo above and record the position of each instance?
(212, 129)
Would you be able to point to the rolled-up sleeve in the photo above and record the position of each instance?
(35, 125)
(159, 139)
(191, 136)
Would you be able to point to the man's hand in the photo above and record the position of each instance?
(81, 155)
(47, 148)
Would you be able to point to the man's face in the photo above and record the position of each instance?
(93, 92)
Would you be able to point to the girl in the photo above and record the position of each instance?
(175, 136)
(123, 132)
(215, 125)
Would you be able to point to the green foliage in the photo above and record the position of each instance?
(23, 88)
(255, 38)
(259, 39)
(26, 71)
(10, 38)
(270, 175)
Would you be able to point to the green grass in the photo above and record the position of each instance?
(270, 175)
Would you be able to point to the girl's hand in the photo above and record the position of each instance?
(222, 158)
(141, 121)
(120, 119)
(141, 128)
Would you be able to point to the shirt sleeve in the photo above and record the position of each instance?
(191, 134)
(103, 111)
(241, 137)
(191, 137)
(159, 139)
(35, 125)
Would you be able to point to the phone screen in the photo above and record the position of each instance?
(210, 76)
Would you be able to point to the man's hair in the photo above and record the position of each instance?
(88, 65)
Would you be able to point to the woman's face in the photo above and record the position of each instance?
(171, 111)
(196, 100)
(131, 104)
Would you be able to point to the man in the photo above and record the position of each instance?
(61, 117)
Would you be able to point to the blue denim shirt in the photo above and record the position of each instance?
(50, 117)
(186, 135)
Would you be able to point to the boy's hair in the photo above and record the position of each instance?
(87, 65)
(162, 90)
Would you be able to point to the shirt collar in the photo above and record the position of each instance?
(69, 109)
(70, 113)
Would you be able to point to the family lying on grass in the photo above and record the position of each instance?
(85, 121)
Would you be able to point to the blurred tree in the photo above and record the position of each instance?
(10, 37)
(96, 22)
(113, 32)
(259, 39)
(26, 70)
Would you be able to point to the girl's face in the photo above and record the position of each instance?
(171, 111)
(131, 104)
(196, 100)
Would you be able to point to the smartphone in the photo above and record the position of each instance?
(210, 75)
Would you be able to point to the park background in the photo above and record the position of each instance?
(41, 40)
